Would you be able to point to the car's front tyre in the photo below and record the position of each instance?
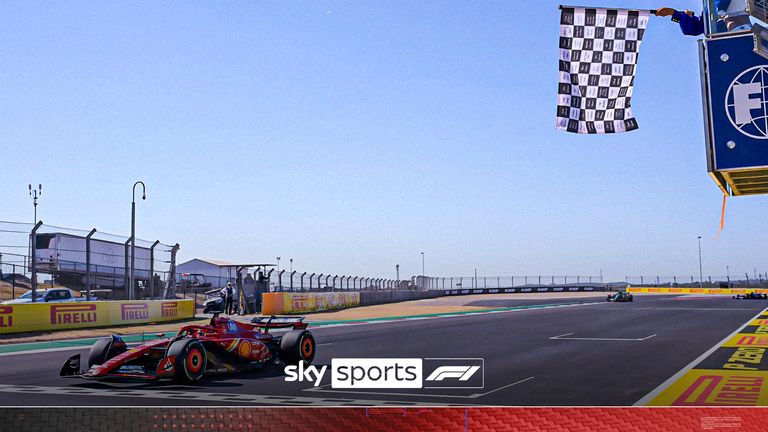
(190, 360)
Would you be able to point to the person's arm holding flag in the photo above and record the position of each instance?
(690, 24)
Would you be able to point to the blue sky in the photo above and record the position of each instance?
(353, 135)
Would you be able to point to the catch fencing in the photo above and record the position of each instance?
(86, 260)
(501, 282)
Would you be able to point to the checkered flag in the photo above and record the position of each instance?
(598, 55)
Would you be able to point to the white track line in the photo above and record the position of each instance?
(563, 337)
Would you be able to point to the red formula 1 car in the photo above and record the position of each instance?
(222, 346)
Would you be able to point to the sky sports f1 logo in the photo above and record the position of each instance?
(393, 373)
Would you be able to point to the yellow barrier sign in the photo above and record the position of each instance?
(716, 388)
(282, 303)
(719, 291)
(58, 316)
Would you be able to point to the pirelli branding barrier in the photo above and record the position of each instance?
(27, 317)
(735, 373)
(719, 291)
(518, 290)
(277, 303)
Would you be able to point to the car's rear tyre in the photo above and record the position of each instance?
(297, 346)
(631, 298)
(190, 360)
(104, 349)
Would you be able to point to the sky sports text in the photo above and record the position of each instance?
(393, 373)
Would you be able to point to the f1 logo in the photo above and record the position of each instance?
(454, 373)
(463, 373)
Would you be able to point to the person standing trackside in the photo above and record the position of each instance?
(227, 292)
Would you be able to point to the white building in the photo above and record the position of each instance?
(217, 272)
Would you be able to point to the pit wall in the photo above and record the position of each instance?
(15, 318)
(720, 291)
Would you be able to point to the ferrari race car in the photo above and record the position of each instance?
(620, 296)
(751, 296)
(223, 346)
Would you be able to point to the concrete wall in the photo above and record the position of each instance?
(368, 298)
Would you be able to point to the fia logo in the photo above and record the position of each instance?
(746, 102)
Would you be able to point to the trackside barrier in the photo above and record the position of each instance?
(519, 290)
(15, 318)
(729, 291)
(368, 298)
(277, 303)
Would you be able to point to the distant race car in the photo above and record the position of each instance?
(620, 296)
(223, 346)
(752, 296)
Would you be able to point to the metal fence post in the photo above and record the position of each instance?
(269, 278)
(310, 281)
(88, 264)
(280, 280)
(125, 270)
(33, 252)
(302, 280)
(292, 273)
(328, 276)
(152, 269)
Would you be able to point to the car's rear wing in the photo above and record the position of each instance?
(279, 322)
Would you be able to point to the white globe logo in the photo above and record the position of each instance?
(746, 102)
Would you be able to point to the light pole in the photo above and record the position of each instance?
(701, 273)
(35, 193)
(291, 265)
(278, 265)
(422, 265)
(133, 233)
(397, 271)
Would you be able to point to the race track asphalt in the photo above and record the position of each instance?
(588, 353)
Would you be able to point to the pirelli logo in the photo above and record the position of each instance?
(6, 316)
(134, 311)
(169, 309)
(73, 314)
